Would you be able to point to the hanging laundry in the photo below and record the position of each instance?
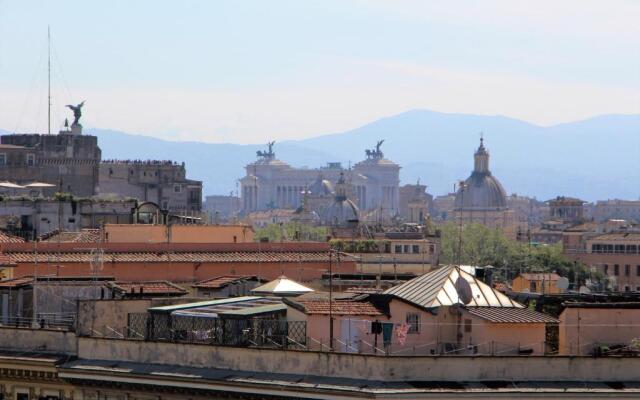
(401, 332)
(387, 332)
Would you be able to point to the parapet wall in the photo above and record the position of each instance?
(39, 340)
(442, 368)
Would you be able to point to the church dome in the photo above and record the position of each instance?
(343, 211)
(481, 191)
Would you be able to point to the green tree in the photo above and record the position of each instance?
(482, 246)
(291, 231)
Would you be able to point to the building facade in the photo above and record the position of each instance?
(221, 208)
(617, 209)
(162, 182)
(67, 161)
(415, 204)
(271, 183)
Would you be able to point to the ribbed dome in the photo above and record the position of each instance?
(481, 191)
(343, 211)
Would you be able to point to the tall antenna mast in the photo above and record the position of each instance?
(49, 80)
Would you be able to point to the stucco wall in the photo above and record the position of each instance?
(581, 329)
(96, 316)
(38, 340)
(454, 368)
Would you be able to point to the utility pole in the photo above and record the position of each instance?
(330, 300)
(49, 80)
(34, 320)
(462, 186)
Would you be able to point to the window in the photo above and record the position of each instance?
(616, 270)
(407, 248)
(416, 248)
(533, 287)
(467, 325)
(627, 288)
(177, 188)
(3, 159)
(606, 269)
(31, 160)
(413, 320)
(398, 248)
(637, 270)
(627, 270)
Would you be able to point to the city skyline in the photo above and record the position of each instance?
(215, 71)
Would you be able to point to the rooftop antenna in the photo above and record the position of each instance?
(49, 79)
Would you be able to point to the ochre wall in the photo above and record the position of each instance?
(519, 284)
(178, 233)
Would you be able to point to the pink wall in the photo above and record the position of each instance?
(584, 328)
(436, 334)
(318, 330)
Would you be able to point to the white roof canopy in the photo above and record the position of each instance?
(282, 286)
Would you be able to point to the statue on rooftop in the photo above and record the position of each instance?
(77, 112)
(269, 154)
(377, 153)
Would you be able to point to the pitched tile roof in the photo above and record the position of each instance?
(438, 288)
(82, 236)
(16, 282)
(150, 287)
(618, 236)
(222, 281)
(364, 290)
(84, 256)
(6, 238)
(507, 315)
(338, 307)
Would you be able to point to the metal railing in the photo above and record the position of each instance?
(63, 321)
(215, 331)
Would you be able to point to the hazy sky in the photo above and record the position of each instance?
(245, 71)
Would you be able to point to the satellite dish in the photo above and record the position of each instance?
(584, 290)
(562, 284)
(465, 295)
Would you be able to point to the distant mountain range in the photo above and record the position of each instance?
(597, 158)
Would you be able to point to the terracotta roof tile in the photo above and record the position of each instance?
(364, 290)
(222, 281)
(83, 236)
(16, 282)
(510, 315)
(338, 307)
(6, 238)
(84, 256)
(152, 287)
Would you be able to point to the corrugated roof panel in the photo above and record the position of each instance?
(438, 288)
(510, 315)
